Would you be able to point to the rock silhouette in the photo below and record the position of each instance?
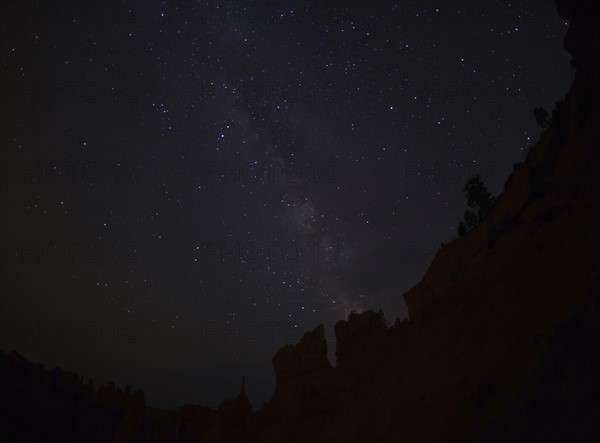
(501, 345)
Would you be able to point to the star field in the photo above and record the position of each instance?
(187, 185)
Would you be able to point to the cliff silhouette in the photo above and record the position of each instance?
(501, 345)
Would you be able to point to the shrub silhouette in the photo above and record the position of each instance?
(542, 117)
(480, 202)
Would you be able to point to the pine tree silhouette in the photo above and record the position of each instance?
(480, 202)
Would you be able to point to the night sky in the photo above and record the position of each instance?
(187, 186)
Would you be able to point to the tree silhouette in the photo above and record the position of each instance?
(541, 117)
(480, 202)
